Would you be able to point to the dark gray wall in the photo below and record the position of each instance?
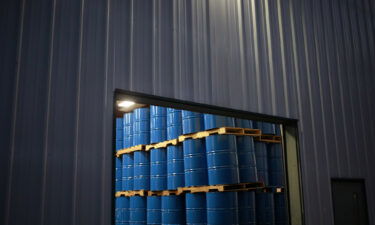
(61, 60)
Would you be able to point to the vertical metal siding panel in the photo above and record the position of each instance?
(265, 98)
(276, 45)
(31, 115)
(141, 51)
(251, 58)
(119, 44)
(226, 55)
(307, 150)
(89, 190)
(182, 52)
(200, 50)
(9, 28)
(162, 61)
(61, 126)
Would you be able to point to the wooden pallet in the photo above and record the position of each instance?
(273, 189)
(269, 138)
(163, 144)
(163, 193)
(130, 150)
(222, 188)
(221, 130)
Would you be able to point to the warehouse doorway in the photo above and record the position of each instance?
(349, 202)
(226, 164)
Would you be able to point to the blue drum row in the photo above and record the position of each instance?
(203, 208)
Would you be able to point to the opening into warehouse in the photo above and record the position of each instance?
(184, 164)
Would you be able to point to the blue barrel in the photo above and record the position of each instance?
(128, 130)
(192, 122)
(122, 210)
(195, 164)
(216, 121)
(175, 167)
(141, 126)
(261, 162)
(267, 128)
(246, 208)
(246, 159)
(242, 123)
(118, 173)
(281, 214)
(127, 171)
(275, 165)
(158, 178)
(141, 170)
(118, 211)
(158, 123)
(173, 209)
(222, 162)
(277, 130)
(196, 209)
(154, 210)
(222, 208)
(265, 209)
(174, 123)
(138, 210)
(119, 133)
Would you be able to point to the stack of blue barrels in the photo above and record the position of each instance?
(222, 162)
(246, 154)
(119, 146)
(195, 163)
(175, 155)
(265, 208)
(214, 160)
(128, 159)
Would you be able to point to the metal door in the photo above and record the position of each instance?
(349, 202)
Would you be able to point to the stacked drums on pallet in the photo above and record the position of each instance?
(213, 160)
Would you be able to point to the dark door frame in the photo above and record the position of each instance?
(289, 129)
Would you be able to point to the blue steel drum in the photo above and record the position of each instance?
(128, 130)
(118, 173)
(141, 126)
(267, 128)
(215, 121)
(175, 167)
(261, 162)
(246, 159)
(281, 215)
(174, 123)
(120, 134)
(196, 209)
(195, 163)
(222, 162)
(138, 210)
(122, 210)
(222, 208)
(173, 209)
(275, 165)
(192, 122)
(119, 123)
(265, 209)
(158, 178)
(128, 171)
(277, 130)
(242, 123)
(118, 211)
(158, 124)
(141, 170)
(246, 208)
(119, 144)
(153, 210)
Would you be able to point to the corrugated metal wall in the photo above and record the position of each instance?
(61, 61)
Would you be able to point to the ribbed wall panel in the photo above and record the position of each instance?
(62, 60)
